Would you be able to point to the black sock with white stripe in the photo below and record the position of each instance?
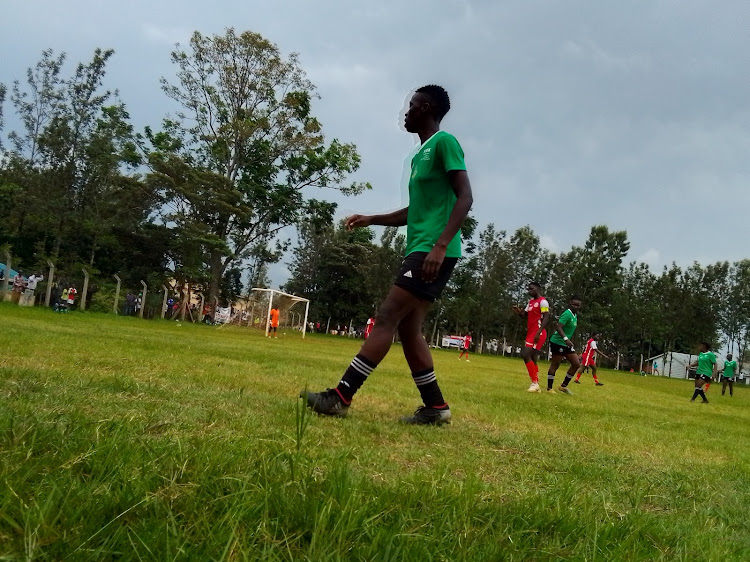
(355, 376)
(550, 380)
(426, 382)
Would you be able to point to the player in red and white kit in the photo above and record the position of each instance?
(368, 328)
(588, 359)
(465, 346)
(537, 317)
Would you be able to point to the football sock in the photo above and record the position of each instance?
(707, 385)
(429, 390)
(578, 376)
(596, 380)
(696, 394)
(354, 377)
(533, 372)
(550, 380)
(568, 376)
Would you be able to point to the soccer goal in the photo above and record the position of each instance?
(291, 312)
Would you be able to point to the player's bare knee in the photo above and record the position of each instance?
(387, 317)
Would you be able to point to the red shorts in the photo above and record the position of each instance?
(540, 343)
(588, 360)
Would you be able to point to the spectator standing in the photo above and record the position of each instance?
(72, 292)
(31, 284)
(18, 286)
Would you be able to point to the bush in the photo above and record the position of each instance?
(104, 298)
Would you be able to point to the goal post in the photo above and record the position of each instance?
(266, 299)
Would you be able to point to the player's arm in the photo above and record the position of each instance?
(459, 181)
(396, 218)
(559, 329)
(519, 311)
(543, 323)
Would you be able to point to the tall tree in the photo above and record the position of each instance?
(735, 315)
(237, 158)
(67, 164)
(592, 272)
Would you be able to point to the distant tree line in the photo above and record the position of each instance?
(637, 311)
(201, 198)
(197, 199)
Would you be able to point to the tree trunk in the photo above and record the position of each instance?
(213, 288)
(93, 252)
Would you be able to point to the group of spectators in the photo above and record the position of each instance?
(22, 286)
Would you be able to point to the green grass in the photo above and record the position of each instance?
(149, 440)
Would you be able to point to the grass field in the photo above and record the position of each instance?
(150, 440)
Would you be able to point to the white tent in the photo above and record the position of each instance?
(672, 364)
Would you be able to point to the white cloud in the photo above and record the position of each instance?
(166, 35)
(650, 257)
(588, 50)
(549, 243)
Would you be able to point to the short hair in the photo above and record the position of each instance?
(439, 96)
(536, 284)
(708, 345)
(574, 298)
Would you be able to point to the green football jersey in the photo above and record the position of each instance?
(706, 362)
(729, 367)
(568, 321)
(431, 196)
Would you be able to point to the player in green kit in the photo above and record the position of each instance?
(706, 364)
(562, 346)
(439, 200)
(727, 375)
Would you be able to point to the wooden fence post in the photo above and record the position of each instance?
(4, 294)
(50, 280)
(117, 293)
(164, 302)
(143, 298)
(85, 291)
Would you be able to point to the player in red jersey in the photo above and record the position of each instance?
(465, 346)
(588, 359)
(537, 317)
(368, 329)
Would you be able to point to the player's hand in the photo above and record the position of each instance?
(536, 338)
(358, 221)
(516, 309)
(432, 263)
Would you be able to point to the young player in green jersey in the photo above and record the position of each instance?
(727, 375)
(562, 346)
(706, 365)
(439, 200)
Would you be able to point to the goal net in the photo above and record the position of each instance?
(292, 310)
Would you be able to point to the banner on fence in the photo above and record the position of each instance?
(222, 315)
(453, 341)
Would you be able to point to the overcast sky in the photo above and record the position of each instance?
(631, 114)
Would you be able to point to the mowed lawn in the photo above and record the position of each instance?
(151, 440)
